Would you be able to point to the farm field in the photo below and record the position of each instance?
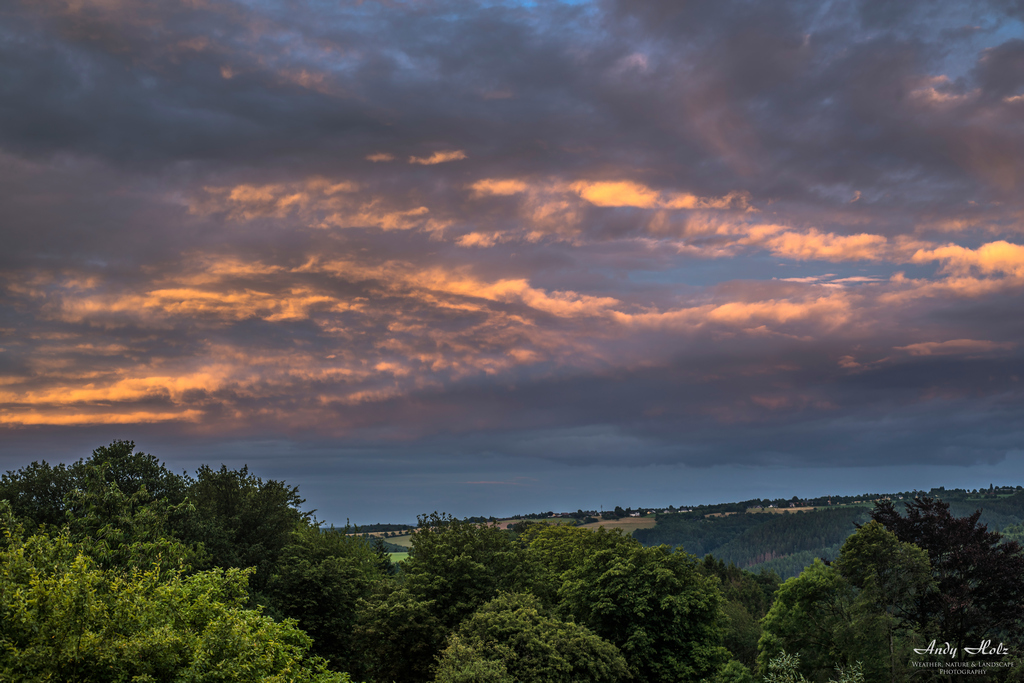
(405, 540)
(776, 511)
(627, 524)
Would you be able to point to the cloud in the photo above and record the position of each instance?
(955, 347)
(628, 193)
(814, 245)
(701, 233)
(438, 158)
(503, 187)
(993, 258)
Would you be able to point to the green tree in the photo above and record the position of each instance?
(63, 617)
(553, 550)
(747, 599)
(513, 634)
(39, 492)
(132, 470)
(462, 663)
(733, 672)
(459, 565)
(654, 605)
(120, 530)
(397, 635)
(810, 618)
(891, 578)
(245, 521)
(318, 581)
(859, 609)
(36, 492)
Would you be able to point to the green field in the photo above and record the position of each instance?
(404, 541)
(398, 557)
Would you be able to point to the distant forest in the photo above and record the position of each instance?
(786, 543)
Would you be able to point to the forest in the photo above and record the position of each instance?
(117, 569)
(781, 543)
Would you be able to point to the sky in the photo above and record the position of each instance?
(500, 257)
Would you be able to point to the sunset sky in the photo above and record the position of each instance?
(505, 257)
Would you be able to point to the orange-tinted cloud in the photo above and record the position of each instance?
(439, 158)
(633, 194)
(993, 258)
(815, 245)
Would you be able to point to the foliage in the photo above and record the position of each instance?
(747, 599)
(318, 582)
(853, 611)
(554, 550)
(39, 492)
(790, 533)
(63, 617)
(785, 669)
(512, 634)
(246, 522)
(810, 619)
(979, 579)
(733, 672)
(459, 565)
(397, 636)
(654, 605)
(128, 530)
(461, 663)
(698, 535)
(36, 492)
(789, 566)
(749, 540)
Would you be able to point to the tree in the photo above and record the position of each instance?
(119, 530)
(512, 634)
(38, 493)
(851, 611)
(318, 581)
(397, 635)
(747, 599)
(654, 605)
(891, 577)
(460, 565)
(246, 522)
(461, 663)
(553, 550)
(131, 470)
(979, 579)
(63, 617)
(810, 619)
(786, 669)
(733, 672)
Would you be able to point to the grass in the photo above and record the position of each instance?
(398, 557)
(404, 541)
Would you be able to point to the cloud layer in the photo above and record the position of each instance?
(771, 234)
